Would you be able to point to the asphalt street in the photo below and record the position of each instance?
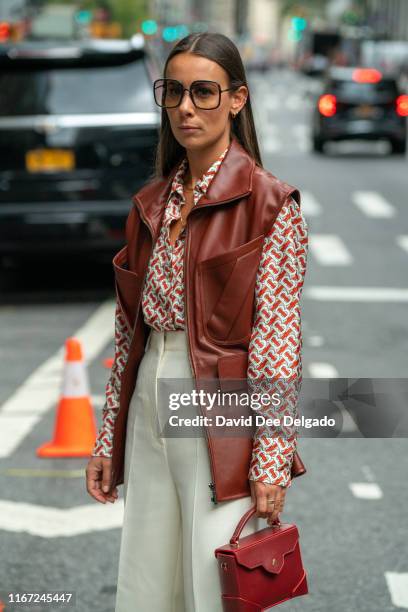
(349, 507)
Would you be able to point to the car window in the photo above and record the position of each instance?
(364, 90)
(101, 89)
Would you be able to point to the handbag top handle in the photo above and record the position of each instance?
(234, 541)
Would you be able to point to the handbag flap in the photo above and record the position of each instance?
(266, 548)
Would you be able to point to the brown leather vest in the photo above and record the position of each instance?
(224, 237)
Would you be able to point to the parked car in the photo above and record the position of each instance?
(360, 103)
(78, 129)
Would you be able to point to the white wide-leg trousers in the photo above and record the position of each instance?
(171, 527)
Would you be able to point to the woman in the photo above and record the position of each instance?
(212, 297)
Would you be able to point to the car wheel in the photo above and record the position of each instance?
(318, 144)
(398, 147)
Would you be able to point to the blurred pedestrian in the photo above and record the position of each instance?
(208, 287)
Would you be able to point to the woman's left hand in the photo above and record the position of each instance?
(263, 495)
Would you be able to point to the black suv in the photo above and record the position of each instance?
(78, 129)
(360, 103)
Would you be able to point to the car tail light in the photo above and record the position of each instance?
(402, 105)
(366, 75)
(5, 31)
(327, 105)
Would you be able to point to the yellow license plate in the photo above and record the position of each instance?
(365, 110)
(50, 160)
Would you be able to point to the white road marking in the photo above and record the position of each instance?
(329, 250)
(402, 241)
(309, 204)
(373, 204)
(301, 130)
(304, 145)
(41, 389)
(366, 490)
(293, 102)
(398, 587)
(315, 341)
(349, 425)
(50, 522)
(319, 369)
(368, 472)
(356, 294)
(272, 102)
(268, 131)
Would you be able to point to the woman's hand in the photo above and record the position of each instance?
(263, 495)
(98, 476)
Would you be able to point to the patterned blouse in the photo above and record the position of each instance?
(275, 344)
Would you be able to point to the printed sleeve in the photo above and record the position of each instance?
(103, 444)
(274, 354)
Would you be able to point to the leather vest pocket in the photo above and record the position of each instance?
(232, 368)
(227, 283)
(128, 286)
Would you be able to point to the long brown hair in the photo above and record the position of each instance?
(220, 49)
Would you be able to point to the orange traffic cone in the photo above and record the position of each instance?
(75, 428)
(2, 606)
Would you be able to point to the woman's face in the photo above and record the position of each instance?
(212, 125)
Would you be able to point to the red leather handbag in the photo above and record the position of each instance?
(262, 569)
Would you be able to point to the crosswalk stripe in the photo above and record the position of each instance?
(402, 241)
(366, 490)
(304, 145)
(329, 250)
(301, 130)
(373, 204)
(322, 370)
(293, 102)
(271, 145)
(356, 294)
(268, 131)
(24, 409)
(315, 340)
(271, 102)
(397, 583)
(49, 522)
(310, 206)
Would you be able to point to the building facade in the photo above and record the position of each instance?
(388, 18)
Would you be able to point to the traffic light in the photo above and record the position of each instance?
(298, 25)
(83, 17)
(172, 33)
(169, 34)
(149, 27)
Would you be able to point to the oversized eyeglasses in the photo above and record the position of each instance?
(206, 95)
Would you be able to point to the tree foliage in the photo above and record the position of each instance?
(309, 6)
(129, 13)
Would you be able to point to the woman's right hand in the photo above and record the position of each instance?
(98, 476)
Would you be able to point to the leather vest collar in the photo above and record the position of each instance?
(232, 181)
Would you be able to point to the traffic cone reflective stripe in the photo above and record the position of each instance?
(75, 426)
(75, 382)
